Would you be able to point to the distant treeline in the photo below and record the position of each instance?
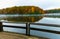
(52, 11)
(22, 10)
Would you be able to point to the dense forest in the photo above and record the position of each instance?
(53, 11)
(23, 10)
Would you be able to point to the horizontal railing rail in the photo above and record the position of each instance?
(28, 27)
(45, 30)
(14, 26)
(44, 24)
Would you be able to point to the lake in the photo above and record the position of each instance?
(38, 33)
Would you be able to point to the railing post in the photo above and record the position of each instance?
(28, 29)
(1, 27)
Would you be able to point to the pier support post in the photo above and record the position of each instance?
(28, 29)
(1, 27)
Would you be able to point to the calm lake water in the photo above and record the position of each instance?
(38, 33)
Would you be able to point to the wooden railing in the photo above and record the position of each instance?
(28, 28)
(45, 30)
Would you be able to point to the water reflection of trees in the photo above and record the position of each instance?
(23, 19)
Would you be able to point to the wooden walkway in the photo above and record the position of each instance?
(10, 35)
